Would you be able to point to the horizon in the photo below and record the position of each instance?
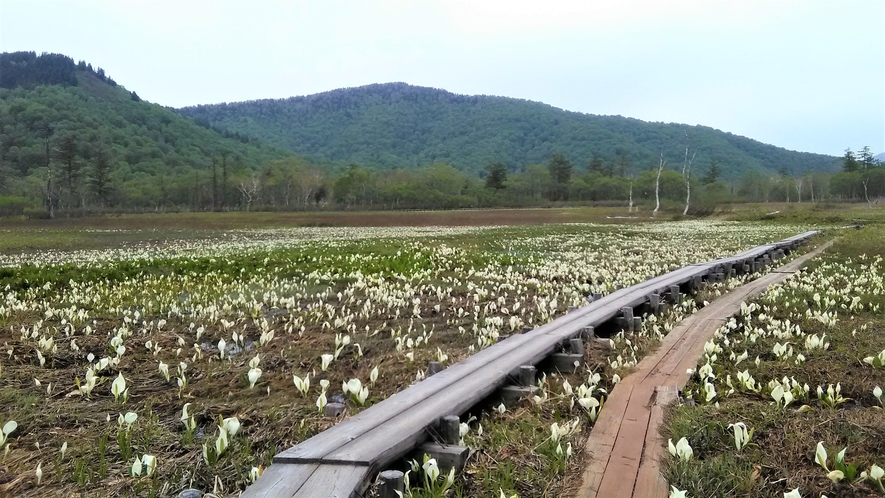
(803, 77)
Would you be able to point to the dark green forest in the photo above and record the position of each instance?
(397, 125)
(74, 142)
(71, 139)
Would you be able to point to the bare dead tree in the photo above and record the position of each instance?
(630, 204)
(308, 184)
(48, 192)
(658, 186)
(250, 188)
(866, 193)
(799, 181)
(686, 175)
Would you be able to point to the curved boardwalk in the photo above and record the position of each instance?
(624, 450)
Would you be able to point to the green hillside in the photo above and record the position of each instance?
(104, 146)
(399, 125)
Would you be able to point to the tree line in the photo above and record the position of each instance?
(83, 178)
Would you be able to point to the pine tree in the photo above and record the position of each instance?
(713, 173)
(101, 171)
(497, 175)
(849, 162)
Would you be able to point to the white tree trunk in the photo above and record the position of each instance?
(658, 186)
(866, 194)
(630, 205)
(686, 175)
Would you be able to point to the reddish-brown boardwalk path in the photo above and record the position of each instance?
(624, 450)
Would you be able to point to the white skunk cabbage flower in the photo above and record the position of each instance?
(676, 493)
(681, 449)
(254, 374)
(119, 390)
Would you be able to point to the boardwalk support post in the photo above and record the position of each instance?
(334, 409)
(625, 321)
(569, 361)
(525, 379)
(447, 456)
(434, 367)
(447, 452)
(527, 375)
(450, 429)
(391, 482)
(654, 303)
(673, 295)
(576, 346)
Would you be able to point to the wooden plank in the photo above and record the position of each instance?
(334, 481)
(650, 482)
(602, 438)
(623, 465)
(280, 481)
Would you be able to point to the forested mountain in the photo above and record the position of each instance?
(399, 125)
(73, 141)
(71, 138)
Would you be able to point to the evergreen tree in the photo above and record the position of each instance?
(67, 153)
(596, 165)
(496, 176)
(101, 172)
(713, 173)
(866, 159)
(560, 172)
(560, 168)
(623, 163)
(849, 162)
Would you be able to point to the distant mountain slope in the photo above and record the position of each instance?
(399, 125)
(154, 156)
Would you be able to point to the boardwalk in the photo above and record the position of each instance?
(624, 449)
(341, 461)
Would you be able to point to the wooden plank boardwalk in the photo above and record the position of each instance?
(340, 461)
(625, 449)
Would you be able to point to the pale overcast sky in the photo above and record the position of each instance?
(805, 75)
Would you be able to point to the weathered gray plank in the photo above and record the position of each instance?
(334, 481)
(280, 481)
